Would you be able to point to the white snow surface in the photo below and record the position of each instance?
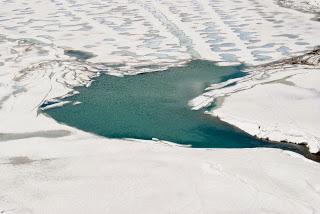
(48, 167)
(277, 102)
(85, 174)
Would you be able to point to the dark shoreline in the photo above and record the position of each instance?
(312, 59)
(301, 148)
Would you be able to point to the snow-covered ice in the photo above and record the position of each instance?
(163, 31)
(48, 167)
(279, 102)
(85, 174)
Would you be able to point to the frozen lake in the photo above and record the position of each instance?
(155, 105)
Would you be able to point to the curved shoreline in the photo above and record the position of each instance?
(108, 92)
(274, 74)
(301, 149)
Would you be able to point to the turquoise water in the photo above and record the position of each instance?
(155, 105)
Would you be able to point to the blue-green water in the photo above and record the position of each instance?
(155, 105)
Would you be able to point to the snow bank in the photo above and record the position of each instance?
(279, 102)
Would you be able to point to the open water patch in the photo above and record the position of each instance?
(155, 105)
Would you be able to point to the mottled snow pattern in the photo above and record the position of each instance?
(163, 32)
